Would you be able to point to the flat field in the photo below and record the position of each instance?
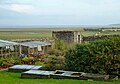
(14, 78)
(9, 36)
(12, 34)
(36, 33)
(91, 33)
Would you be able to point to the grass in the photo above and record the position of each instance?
(92, 33)
(21, 35)
(12, 34)
(14, 78)
(9, 36)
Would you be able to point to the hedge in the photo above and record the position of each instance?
(100, 56)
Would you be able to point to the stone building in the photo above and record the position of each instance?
(68, 36)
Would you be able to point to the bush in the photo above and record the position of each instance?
(54, 62)
(17, 59)
(39, 63)
(28, 59)
(101, 56)
(6, 61)
(10, 60)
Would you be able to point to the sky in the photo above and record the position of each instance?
(59, 12)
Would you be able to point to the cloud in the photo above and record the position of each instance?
(20, 8)
(36, 10)
(42, 7)
(76, 11)
(61, 7)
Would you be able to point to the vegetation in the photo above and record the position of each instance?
(14, 78)
(28, 60)
(93, 33)
(101, 56)
(59, 44)
(54, 62)
(9, 61)
(9, 36)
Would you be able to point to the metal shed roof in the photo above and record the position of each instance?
(35, 43)
(7, 43)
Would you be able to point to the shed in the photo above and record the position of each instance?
(34, 47)
(8, 47)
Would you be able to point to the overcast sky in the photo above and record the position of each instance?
(59, 12)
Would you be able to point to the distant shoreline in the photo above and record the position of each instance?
(62, 26)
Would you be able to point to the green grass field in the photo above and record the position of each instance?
(23, 36)
(14, 78)
(91, 33)
(12, 34)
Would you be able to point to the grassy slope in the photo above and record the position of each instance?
(14, 78)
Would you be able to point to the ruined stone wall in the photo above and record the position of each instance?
(92, 38)
(68, 36)
(78, 37)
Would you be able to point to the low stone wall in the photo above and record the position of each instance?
(92, 38)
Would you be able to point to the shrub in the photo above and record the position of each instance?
(10, 60)
(39, 63)
(6, 61)
(54, 62)
(101, 56)
(17, 59)
(28, 59)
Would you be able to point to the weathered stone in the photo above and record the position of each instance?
(113, 78)
(94, 76)
(68, 36)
